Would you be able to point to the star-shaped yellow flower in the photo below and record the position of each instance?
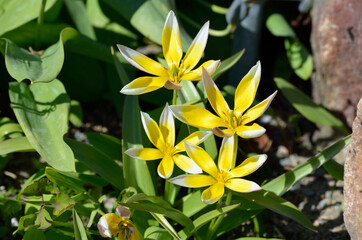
(111, 225)
(229, 121)
(223, 175)
(177, 70)
(163, 138)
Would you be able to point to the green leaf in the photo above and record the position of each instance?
(20, 144)
(156, 233)
(15, 13)
(98, 162)
(34, 233)
(191, 204)
(227, 64)
(278, 26)
(9, 128)
(305, 106)
(285, 182)
(43, 219)
(277, 204)
(136, 172)
(205, 218)
(143, 197)
(75, 113)
(163, 221)
(26, 222)
(107, 144)
(42, 112)
(299, 58)
(78, 13)
(31, 180)
(79, 230)
(334, 169)
(170, 212)
(257, 238)
(62, 203)
(148, 17)
(63, 180)
(40, 187)
(22, 64)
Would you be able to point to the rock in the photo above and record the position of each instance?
(336, 43)
(353, 180)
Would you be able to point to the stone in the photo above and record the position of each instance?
(336, 43)
(353, 180)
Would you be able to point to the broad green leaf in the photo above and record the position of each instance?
(170, 212)
(42, 112)
(285, 182)
(26, 222)
(205, 218)
(9, 128)
(75, 113)
(20, 144)
(148, 17)
(334, 169)
(107, 144)
(299, 58)
(63, 180)
(305, 106)
(191, 204)
(278, 26)
(40, 187)
(277, 204)
(79, 230)
(34, 233)
(15, 13)
(98, 162)
(43, 219)
(62, 203)
(136, 172)
(163, 221)
(78, 13)
(157, 233)
(22, 64)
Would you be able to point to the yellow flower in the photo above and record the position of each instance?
(223, 175)
(111, 225)
(163, 138)
(177, 70)
(229, 121)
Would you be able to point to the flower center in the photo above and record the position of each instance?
(233, 120)
(223, 176)
(125, 229)
(169, 150)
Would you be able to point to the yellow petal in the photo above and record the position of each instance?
(213, 193)
(215, 97)
(248, 166)
(143, 85)
(256, 111)
(165, 168)
(196, 49)
(242, 185)
(226, 156)
(246, 90)
(202, 159)
(153, 132)
(252, 131)
(167, 126)
(195, 75)
(194, 138)
(142, 62)
(129, 233)
(197, 116)
(186, 164)
(171, 43)
(193, 180)
(144, 153)
(108, 225)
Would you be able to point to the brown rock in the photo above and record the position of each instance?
(336, 43)
(353, 180)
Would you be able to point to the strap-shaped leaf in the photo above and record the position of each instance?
(79, 231)
(42, 112)
(20, 144)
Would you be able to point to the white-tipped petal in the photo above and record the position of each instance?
(186, 164)
(242, 185)
(252, 131)
(167, 126)
(143, 85)
(193, 180)
(152, 130)
(249, 165)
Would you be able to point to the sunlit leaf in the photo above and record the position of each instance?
(75, 113)
(15, 13)
(9, 128)
(43, 219)
(40, 187)
(42, 112)
(20, 144)
(163, 221)
(278, 26)
(63, 180)
(157, 233)
(191, 204)
(79, 230)
(62, 203)
(305, 106)
(335, 169)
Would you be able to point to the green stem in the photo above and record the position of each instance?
(213, 7)
(218, 221)
(174, 98)
(40, 23)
